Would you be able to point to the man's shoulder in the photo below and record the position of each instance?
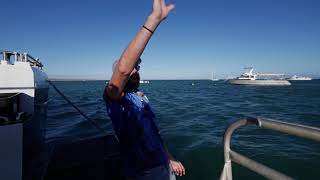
(134, 99)
(109, 100)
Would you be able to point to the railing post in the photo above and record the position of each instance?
(227, 169)
(284, 127)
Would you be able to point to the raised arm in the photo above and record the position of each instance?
(131, 54)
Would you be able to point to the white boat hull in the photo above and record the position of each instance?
(23, 89)
(300, 79)
(260, 82)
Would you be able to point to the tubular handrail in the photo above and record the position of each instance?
(303, 131)
(18, 57)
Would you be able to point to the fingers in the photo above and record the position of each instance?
(161, 9)
(182, 171)
(177, 171)
(170, 8)
(178, 168)
(156, 3)
(175, 167)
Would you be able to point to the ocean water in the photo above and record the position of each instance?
(193, 119)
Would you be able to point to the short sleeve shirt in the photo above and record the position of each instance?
(135, 125)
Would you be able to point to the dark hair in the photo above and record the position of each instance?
(133, 83)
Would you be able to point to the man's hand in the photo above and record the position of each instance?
(161, 10)
(177, 168)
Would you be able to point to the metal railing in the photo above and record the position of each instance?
(284, 127)
(18, 57)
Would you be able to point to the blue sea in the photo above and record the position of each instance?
(193, 115)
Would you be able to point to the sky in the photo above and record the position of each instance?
(82, 38)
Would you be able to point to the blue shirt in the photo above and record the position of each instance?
(135, 125)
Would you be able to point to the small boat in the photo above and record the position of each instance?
(299, 78)
(250, 78)
(144, 82)
(213, 78)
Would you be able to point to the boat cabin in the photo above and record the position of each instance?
(248, 75)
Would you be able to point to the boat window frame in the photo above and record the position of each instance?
(9, 57)
(1, 56)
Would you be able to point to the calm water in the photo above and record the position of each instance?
(193, 119)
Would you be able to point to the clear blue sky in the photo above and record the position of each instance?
(83, 38)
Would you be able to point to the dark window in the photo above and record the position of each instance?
(10, 57)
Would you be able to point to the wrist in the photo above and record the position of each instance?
(152, 23)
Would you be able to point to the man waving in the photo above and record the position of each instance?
(143, 154)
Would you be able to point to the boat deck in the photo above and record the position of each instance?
(93, 159)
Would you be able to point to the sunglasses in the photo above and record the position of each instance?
(137, 67)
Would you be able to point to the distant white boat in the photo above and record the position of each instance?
(299, 78)
(213, 78)
(144, 82)
(250, 78)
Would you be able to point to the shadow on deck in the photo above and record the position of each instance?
(92, 159)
